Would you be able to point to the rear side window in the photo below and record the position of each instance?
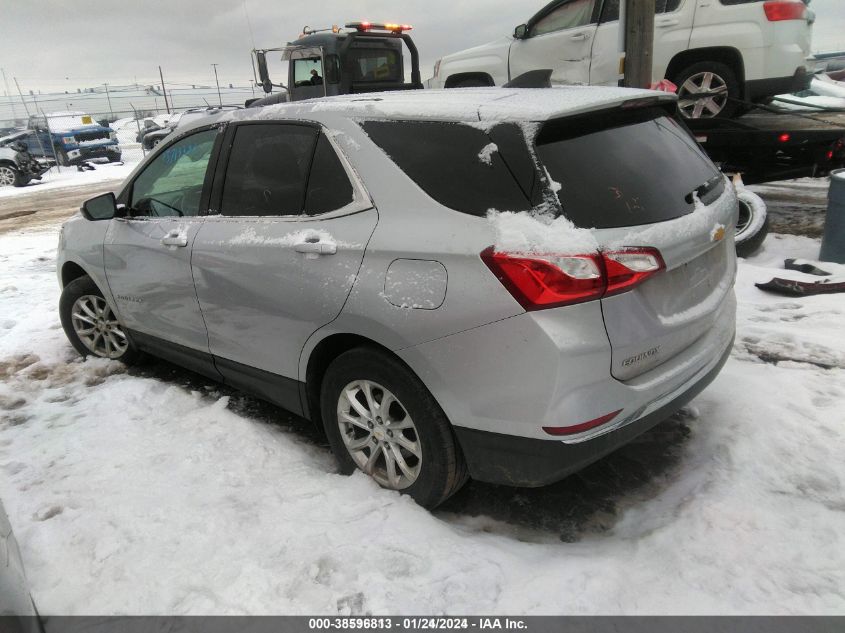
(624, 168)
(268, 170)
(457, 165)
(610, 9)
(328, 185)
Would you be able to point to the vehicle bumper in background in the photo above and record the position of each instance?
(84, 153)
(762, 88)
(520, 461)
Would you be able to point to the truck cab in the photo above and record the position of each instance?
(360, 57)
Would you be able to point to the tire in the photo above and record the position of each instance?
(701, 76)
(434, 472)
(752, 226)
(108, 339)
(11, 177)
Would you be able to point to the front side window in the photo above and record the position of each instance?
(267, 170)
(171, 185)
(308, 72)
(567, 16)
(459, 166)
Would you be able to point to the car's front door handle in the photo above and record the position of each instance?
(175, 238)
(580, 36)
(662, 24)
(315, 248)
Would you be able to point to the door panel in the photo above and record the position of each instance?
(267, 272)
(265, 287)
(561, 40)
(148, 255)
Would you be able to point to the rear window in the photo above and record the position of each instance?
(624, 168)
(461, 167)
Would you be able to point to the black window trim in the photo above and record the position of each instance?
(125, 196)
(361, 199)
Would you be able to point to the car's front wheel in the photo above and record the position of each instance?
(381, 419)
(90, 324)
(10, 177)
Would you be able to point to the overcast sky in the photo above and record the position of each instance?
(68, 44)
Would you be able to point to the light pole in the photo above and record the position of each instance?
(219, 98)
(111, 112)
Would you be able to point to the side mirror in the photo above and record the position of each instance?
(521, 32)
(103, 207)
(263, 73)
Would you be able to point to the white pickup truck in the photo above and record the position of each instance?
(716, 51)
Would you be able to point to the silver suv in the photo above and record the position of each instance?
(497, 283)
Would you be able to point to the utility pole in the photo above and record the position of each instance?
(11, 100)
(25, 107)
(639, 42)
(219, 98)
(166, 104)
(111, 112)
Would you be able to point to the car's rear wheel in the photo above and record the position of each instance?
(90, 324)
(382, 420)
(707, 90)
(752, 225)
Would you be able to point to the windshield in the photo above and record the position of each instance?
(375, 64)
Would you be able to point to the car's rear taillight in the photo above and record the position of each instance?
(779, 10)
(538, 282)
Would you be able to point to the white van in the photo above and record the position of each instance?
(715, 51)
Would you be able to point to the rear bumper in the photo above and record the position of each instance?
(527, 462)
(758, 89)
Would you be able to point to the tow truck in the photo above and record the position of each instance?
(359, 57)
(765, 145)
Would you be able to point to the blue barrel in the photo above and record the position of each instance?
(833, 242)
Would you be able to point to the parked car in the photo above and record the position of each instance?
(72, 137)
(17, 610)
(153, 137)
(338, 259)
(717, 53)
(17, 166)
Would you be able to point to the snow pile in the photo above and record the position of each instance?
(157, 493)
(540, 233)
(486, 153)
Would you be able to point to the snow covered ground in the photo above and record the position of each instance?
(62, 177)
(154, 491)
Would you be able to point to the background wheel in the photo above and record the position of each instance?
(380, 418)
(707, 90)
(10, 177)
(91, 326)
(752, 225)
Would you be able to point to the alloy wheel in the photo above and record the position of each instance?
(7, 176)
(712, 91)
(97, 327)
(379, 434)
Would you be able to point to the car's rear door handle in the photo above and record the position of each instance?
(662, 24)
(580, 36)
(175, 238)
(315, 248)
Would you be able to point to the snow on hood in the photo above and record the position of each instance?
(68, 121)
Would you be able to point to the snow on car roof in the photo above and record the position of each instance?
(465, 104)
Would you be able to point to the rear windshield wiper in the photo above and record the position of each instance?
(709, 191)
